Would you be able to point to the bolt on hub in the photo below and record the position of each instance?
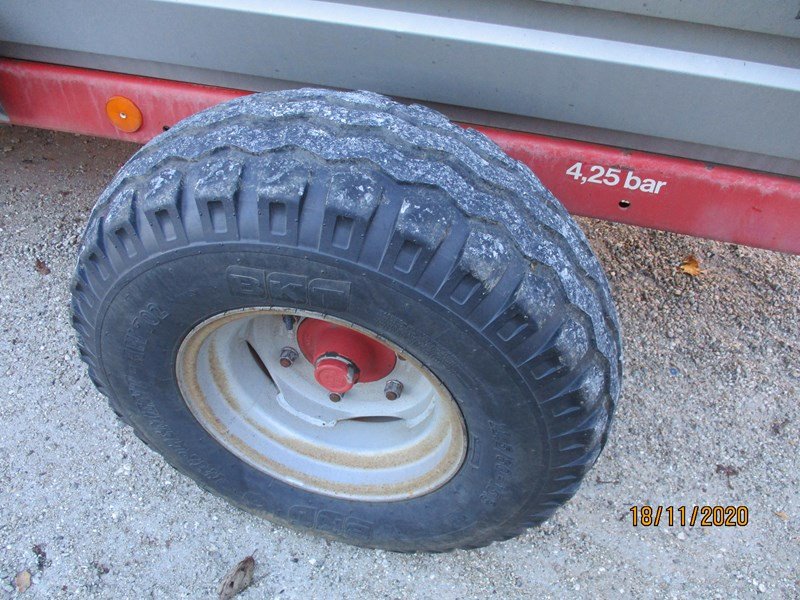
(393, 389)
(288, 356)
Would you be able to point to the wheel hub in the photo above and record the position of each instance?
(341, 356)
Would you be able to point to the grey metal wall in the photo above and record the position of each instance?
(730, 94)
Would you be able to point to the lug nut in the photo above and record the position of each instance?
(393, 389)
(288, 356)
(334, 397)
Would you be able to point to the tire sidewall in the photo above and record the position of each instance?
(153, 307)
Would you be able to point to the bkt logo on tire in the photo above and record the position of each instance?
(287, 287)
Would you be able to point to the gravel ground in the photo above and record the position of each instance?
(709, 415)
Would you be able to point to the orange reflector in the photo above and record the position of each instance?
(124, 114)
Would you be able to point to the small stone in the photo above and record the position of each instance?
(681, 536)
(762, 588)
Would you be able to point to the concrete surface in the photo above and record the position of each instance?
(709, 415)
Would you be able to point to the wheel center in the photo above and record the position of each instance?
(336, 373)
(342, 356)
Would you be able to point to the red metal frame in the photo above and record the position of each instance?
(700, 199)
(695, 198)
(74, 100)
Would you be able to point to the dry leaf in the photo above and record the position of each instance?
(238, 579)
(691, 266)
(41, 268)
(22, 581)
(782, 515)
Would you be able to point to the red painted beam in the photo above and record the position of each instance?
(638, 188)
(74, 100)
(663, 192)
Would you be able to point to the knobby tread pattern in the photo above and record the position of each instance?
(523, 273)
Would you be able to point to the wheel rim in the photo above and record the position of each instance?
(281, 421)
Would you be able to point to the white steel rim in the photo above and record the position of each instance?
(282, 422)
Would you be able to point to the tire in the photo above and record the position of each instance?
(436, 243)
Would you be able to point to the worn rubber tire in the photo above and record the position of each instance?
(450, 249)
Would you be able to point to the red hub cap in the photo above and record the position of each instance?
(341, 356)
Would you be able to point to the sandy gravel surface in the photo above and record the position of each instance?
(710, 414)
